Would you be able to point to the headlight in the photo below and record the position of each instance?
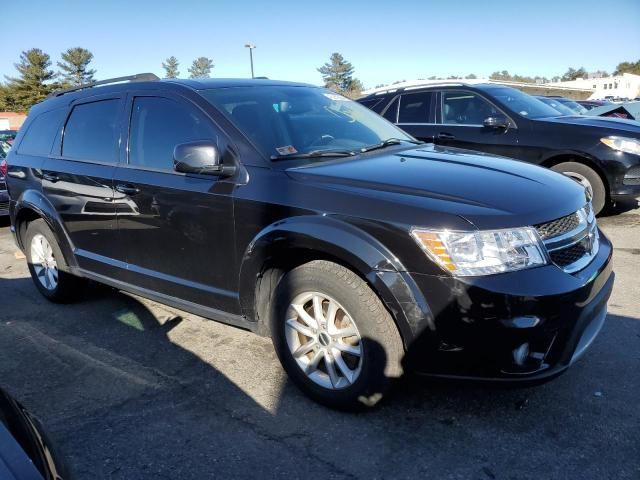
(622, 144)
(482, 252)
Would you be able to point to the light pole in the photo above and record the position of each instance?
(251, 47)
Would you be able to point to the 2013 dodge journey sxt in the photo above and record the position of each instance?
(294, 212)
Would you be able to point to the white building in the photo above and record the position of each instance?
(626, 85)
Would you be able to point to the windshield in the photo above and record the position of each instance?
(522, 103)
(290, 120)
(552, 102)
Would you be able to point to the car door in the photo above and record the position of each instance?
(460, 117)
(176, 229)
(77, 179)
(416, 114)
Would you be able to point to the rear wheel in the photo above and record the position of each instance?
(334, 336)
(588, 178)
(46, 264)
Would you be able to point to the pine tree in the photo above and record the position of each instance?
(74, 67)
(201, 68)
(171, 67)
(34, 81)
(338, 75)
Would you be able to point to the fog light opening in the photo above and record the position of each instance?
(521, 354)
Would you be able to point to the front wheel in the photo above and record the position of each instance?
(589, 179)
(334, 337)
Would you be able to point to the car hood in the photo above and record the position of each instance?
(621, 124)
(486, 190)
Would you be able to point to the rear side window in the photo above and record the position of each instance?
(414, 107)
(38, 139)
(92, 132)
(158, 125)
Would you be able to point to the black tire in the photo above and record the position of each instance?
(381, 346)
(599, 200)
(68, 286)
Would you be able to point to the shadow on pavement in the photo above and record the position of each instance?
(129, 393)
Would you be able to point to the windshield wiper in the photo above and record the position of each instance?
(315, 154)
(389, 142)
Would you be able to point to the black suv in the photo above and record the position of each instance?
(294, 212)
(601, 153)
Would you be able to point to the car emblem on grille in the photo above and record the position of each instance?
(589, 241)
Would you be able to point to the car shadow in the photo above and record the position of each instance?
(620, 207)
(132, 389)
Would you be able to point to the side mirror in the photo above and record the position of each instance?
(497, 121)
(201, 157)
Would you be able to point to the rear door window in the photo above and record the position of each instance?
(92, 132)
(38, 140)
(158, 124)
(415, 107)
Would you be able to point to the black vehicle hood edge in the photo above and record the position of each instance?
(484, 190)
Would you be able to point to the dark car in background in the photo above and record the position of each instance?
(26, 453)
(603, 154)
(555, 104)
(591, 104)
(294, 212)
(8, 136)
(570, 104)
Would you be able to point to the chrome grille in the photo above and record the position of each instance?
(4, 206)
(571, 241)
(559, 226)
(569, 255)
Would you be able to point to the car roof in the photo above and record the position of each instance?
(207, 83)
(439, 85)
(142, 81)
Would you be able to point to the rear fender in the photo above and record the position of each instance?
(33, 201)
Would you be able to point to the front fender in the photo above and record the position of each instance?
(319, 236)
(33, 201)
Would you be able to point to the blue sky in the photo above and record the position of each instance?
(385, 41)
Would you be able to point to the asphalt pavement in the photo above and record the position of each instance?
(130, 389)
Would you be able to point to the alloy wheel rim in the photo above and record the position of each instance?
(44, 263)
(582, 180)
(324, 340)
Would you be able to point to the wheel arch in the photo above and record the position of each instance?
(33, 205)
(582, 158)
(290, 243)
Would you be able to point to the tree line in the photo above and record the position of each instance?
(37, 78)
(570, 74)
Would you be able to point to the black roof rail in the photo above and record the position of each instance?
(138, 77)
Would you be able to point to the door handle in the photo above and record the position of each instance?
(445, 136)
(50, 177)
(127, 189)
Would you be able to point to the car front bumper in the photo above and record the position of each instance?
(623, 171)
(529, 325)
